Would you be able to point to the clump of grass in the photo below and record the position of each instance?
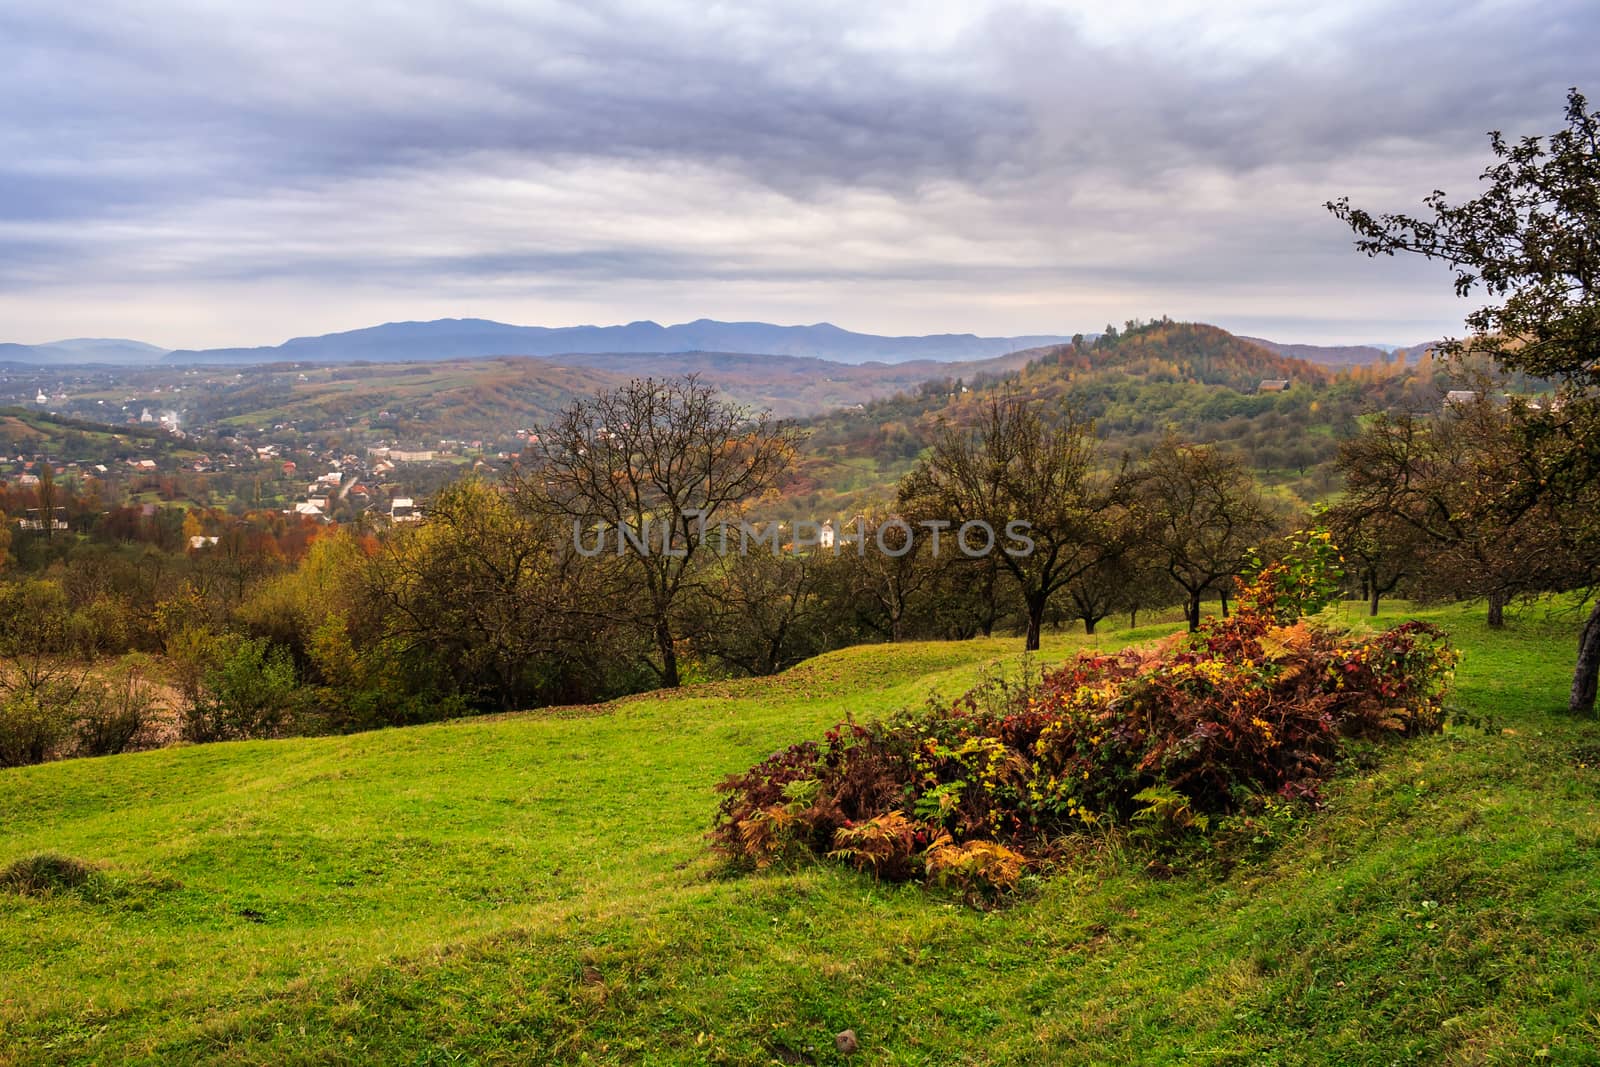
(45, 874)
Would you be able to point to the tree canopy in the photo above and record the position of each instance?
(1530, 241)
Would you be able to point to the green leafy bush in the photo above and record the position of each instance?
(1306, 576)
(1163, 740)
(234, 687)
(52, 711)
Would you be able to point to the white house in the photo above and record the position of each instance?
(404, 509)
(34, 519)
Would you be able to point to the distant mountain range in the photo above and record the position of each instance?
(468, 338)
(453, 339)
(83, 350)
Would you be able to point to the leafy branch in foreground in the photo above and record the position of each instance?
(1528, 241)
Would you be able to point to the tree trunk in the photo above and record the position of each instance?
(1497, 611)
(1035, 624)
(1372, 601)
(1224, 602)
(1192, 612)
(990, 610)
(1133, 618)
(1587, 674)
(1088, 625)
(669, 655)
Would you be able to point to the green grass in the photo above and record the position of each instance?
(537, 888)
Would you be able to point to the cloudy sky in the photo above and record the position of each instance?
(240, 171)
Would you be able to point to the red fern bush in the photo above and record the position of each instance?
(1252, 706)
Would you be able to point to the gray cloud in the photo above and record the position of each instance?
(1038, 159)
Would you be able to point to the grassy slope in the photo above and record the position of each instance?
(535, 888)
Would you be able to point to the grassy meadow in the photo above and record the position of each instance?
(537, 888)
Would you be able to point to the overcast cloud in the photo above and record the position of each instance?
(199, 174)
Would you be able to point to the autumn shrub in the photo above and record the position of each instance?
(980, 870)
(1159, 740)
(885, 845)
(1305, 574)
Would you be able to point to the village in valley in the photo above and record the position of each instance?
(150, 438)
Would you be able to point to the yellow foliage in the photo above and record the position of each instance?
(977, 868)
(765, 835)
(882, 845)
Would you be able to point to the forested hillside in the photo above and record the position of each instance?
(1137, 385)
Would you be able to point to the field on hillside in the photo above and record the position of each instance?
(536, 888)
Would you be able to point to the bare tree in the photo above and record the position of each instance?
(1203, 514)
(1383, 550)
(644, 472)
(47, 500)
(1014, 467)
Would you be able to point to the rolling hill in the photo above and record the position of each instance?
(1338, 355)
(797, 386)
(24, 430)
(1190, 378)
(488, 398)
(538, 888)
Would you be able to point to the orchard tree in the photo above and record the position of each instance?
(645, 472)
(1202, 516)
(493, 596)
(892, 573)
(1115, 581)
(1530, 242)
(1442, 490)
(1382, 549)
(761, 612)
(1013, 467)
